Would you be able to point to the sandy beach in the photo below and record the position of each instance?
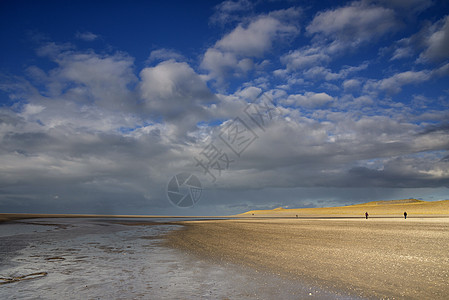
(374, 258)
(327, 253)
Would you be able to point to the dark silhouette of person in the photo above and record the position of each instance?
(405, 215)
(366, 215)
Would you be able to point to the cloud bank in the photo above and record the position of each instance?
(95, 131)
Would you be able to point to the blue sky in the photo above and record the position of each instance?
(102, 103)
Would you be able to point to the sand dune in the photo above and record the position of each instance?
(413, 207)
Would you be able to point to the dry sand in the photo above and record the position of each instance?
(374, 258)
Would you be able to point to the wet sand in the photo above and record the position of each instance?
(7, 217)
(374, 258)
(124, 259)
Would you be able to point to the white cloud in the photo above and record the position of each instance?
(363, 101)
(311, 69)
(327, 152)
(256, 38)
(230, 6)
(250, 93)
(351, 84)
(356, 22)
(442, 71)
(437, 44)
(309, 100)
(64, 140)
(326, 74)
(173, 81)
(394, 83)
(321, 73)
(173, 90)
(406, 5)
(432, 40)
(335, 31)
(233, 53)
(303, 58)
(31, 109)
(320, 148)
(165, 54)
(221, 64)
(86, 36)
(52, 50)
(403, 49)
(228, 11)
(87, 77)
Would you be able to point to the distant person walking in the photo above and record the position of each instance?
(405, 215)
(366, 215)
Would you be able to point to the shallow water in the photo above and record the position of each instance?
(17, 228)
(97, 259)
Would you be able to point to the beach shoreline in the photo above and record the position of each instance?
(374, 258)
(7, 217)
(382, 257)
(104, 258)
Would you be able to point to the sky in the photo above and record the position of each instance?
(108, 106)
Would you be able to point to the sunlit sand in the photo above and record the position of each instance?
(393, 208)
(335, 249)
(379, 257)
